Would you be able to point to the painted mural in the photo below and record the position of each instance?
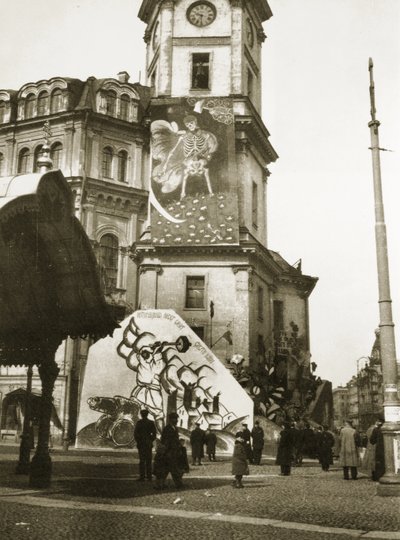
(194, 177)
(156, 362)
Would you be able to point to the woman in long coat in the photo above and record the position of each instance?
(240, 466)
(284, 455)
(349, 457)
(368, 462)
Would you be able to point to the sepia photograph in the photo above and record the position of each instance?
(199, 269)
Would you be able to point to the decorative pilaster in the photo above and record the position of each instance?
(167, 25)
(148, 286)
(237, 47)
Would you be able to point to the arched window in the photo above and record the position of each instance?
(111, 101)
(108, 254)
(42, 103)
(56, 101)
(122, 165)
(2, 111)
(23, 159)
(124, 111)
(30, 105)
(56, 155)
(107, 162)
(1, 164)
(36, 155)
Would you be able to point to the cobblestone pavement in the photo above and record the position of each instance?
(96, 495)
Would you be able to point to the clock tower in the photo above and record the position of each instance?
(205, 254)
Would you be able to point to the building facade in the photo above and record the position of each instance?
(171, 184)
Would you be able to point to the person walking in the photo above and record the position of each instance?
(368, 461)
(160, 469)
(240, 465)
(197, 440)
(246, 435)
(326, 441)
(257, 434)
(173, 450)
(211, 444)
(284, 455)
(349, 457)
(144, 434)
(377, 440)
(309, 441)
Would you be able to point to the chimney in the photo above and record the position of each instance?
(123, 76)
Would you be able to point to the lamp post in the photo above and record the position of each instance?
(389, 484)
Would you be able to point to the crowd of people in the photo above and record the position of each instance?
(296, 441)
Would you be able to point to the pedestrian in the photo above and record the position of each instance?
(173, 452)
(183, 459)
(240, 465)
(144, 434)
(309, 441)
(257, 435)
(349, 456)
(298, 444)
(377, 439)
(326, 441)
(246, 434)
(197, 440)
(211, 444)
(285, 449)
(160, 469)
(368, 461)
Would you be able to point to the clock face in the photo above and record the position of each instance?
(201, 13)
(250, 33)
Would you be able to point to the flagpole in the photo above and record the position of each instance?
(389, 484)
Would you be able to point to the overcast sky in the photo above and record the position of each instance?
(316, 107)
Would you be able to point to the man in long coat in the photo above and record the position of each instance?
(257, 434)
(325, 443)
(170, 439)
(197, 440)
(377, 440)
(246, 435)
(284, 455)
(145, 433)
(349, 457)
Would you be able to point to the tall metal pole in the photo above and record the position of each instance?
(389, 484)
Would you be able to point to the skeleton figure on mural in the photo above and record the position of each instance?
(182, 154)
(155, 365)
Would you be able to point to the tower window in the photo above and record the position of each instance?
(124, 110)
(195, 288)
(278, 316)
(107, 162)
(109, 260)
(260, 302)
(201, 71)
(55, 154)
(122, 163)
(111, 101)
(23, 160)
(2, 111)
(254, 205)
(42, 103)
(30, 105)
(56, 101)
(1, 164)
(250, 84)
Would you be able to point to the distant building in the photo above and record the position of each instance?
(340, 405)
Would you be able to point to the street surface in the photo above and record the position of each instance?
(95, 495)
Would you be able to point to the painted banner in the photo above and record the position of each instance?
(194, 175)
(156, 362)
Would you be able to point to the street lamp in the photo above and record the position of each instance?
(389, 484)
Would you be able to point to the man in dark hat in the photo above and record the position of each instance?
(173, 452)
(377, 439)
(246, 435)
(145, 433)
(257, 434)
(197, 440)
